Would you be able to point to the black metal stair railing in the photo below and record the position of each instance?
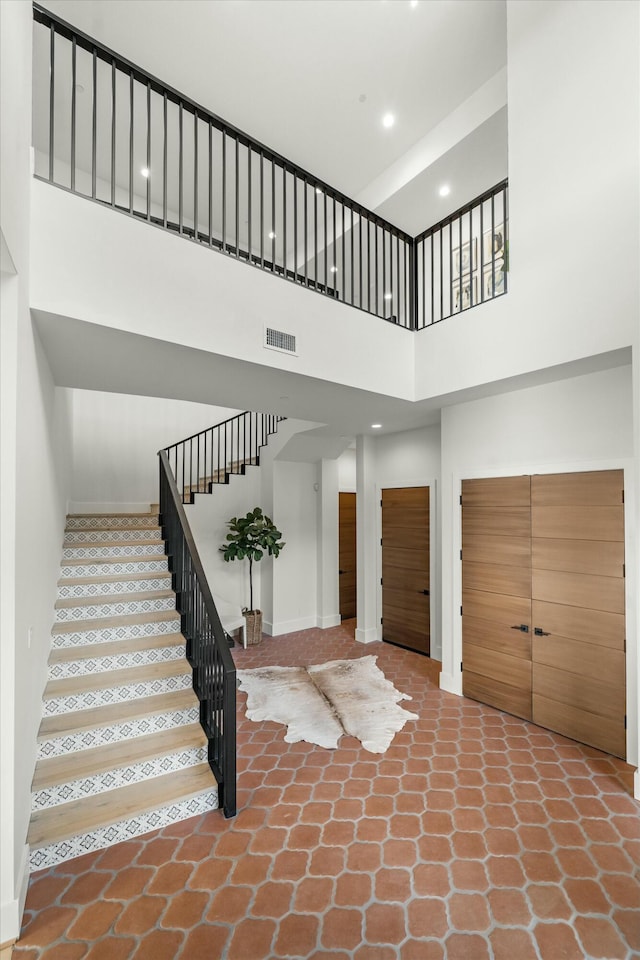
(213, 455)
(111, 132)
(108, 130)
(214, 672)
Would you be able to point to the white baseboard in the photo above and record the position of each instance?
(324, 623)
(11, 910)
(636, 785)
(281, 627)
(369, 635)
(93, 506)
(451, 684)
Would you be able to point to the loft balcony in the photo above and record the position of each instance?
(107, 130)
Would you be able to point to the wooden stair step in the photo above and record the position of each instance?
(107, 598)
(94, 650)
(105, 544)
(92, 561)
(88, 516)
(102, 623)
(70, 819)
(111, 527)
(115, 678)
(67, 723)
(85, 763)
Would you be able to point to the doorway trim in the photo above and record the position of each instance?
(434, 578)
(452, 681)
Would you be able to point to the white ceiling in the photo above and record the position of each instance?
(292, 73)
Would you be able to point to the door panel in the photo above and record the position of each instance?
(596, 662)
(577, 489)
(500, 666)
(497, 578)
(496, 607)
(405, 567)
(597, 557)
(500, 695)
(592, 626)
(347, 554)
(579, 668)
(579, 590)
(496, 592)
(499, 491)
(496, 521)
(582, 725)
(486, 549)
(578, 523)
(496, 636)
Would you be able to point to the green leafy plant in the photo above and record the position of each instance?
(250, 538)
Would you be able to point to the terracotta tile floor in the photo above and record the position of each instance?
(475, 836)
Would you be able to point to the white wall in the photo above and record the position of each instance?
(116, 438)
(574, 116)
(579, 424)
(180, 292)
(36, 457)
(347, 471)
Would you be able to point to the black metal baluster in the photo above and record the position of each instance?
(306, 234)
(195, 175)
(482, 290)
(249, 257)
(73, 115)
(224, 192)
(352, 259)
(237, 199)
(113, 133)
(210, 186)
(295, 227)
(131, 118)
(493, 247)
(384, 273)
(326, 252)
(273, 216)
(164, 160)
(148, 151)
(441, 276)
(284, 223)
(344, 263)
(94, 123)
(262, 209)
(52, 85)
(505, 248)
(315, 236)
(180, 168)
(376, 259)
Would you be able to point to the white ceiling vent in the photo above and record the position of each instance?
(279, 340)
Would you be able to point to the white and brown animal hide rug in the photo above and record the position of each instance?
(321, 702)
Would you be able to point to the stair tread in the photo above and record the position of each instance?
(68, 723)
(107, 598)
(115, 678)
(115, 647)
(78, 816)
(114, 578)
(80, 544)
(85, 763)
(108, 528)
(126, 619)
(87, 516)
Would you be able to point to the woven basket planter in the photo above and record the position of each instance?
(254, 627)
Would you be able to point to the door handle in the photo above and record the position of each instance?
(340, 571)
(540, 633)
(521, 626)
(425, 592)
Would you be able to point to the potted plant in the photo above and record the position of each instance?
(250, 538)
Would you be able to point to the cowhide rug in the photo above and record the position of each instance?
(320, 703)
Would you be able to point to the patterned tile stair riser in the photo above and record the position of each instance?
(101, 698)
(123, 632)
(149, 581)
(50, 855)
(118, 777)
(108, 568)
(101, 736)
(96, 551)
(89, 522)
(92, 665)
(118, 607)
(109, 536)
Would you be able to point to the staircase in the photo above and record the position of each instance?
(120, 747)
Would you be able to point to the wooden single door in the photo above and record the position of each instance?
(578, 607)
(405, 568)
(496, 593)
(347, 554)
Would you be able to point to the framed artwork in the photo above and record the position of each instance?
(497, 248)
(493, 286)
(463, 291)
(462, 257)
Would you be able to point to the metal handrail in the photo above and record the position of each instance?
(214, 672)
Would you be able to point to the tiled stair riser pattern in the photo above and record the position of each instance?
(132, 622)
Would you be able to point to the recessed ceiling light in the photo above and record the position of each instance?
(272, 235)
(444, 190)
(145, 171)
(413, 4)
(376, 426)
(388, 120)
(388, 296)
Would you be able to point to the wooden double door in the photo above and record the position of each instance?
(543, 624)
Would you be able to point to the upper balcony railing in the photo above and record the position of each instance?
(107, 130)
